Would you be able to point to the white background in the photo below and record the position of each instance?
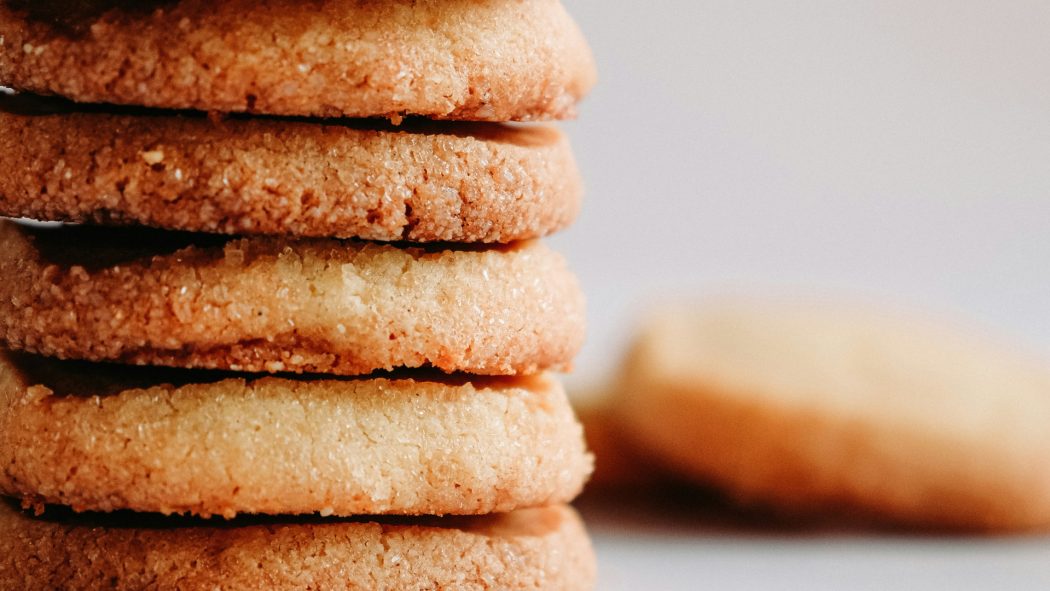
(890, 149)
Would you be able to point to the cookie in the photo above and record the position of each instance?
(819, 406)
(420, 181)
(545, 548)
(104, 437)
(276, 304)
(618, 465)
(485, 60)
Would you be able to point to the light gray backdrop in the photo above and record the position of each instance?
(896, 149)
(892, 148)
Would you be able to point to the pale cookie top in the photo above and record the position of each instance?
(420, 181)
(105, 437)
(487, 60)
(544, 548)
(276, 304)
(825, 404)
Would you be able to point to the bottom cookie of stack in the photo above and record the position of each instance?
(544, 548)
(103, 437)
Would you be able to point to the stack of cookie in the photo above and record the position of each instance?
(321, 321)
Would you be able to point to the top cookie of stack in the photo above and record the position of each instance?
(275, 242)
(493, 60)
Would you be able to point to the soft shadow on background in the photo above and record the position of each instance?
(895, 150)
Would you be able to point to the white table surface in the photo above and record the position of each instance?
(679, 548)
(888, 148)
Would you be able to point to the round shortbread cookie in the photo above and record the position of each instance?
(812, 406)
(276, 304)
(101, 437)
(421, 181)
(485, 60)
(544, 548)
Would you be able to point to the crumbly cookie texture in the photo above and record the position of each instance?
(545, 548)
(815, 407)
(103, 437)
(345, 179)
(276, 304)
(487, 60)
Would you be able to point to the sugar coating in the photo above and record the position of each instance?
(276, 304)
(490, 60)
(544, 548)
(102, 437)
(418, 182)
(809, 406)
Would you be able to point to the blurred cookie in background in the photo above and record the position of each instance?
(819, 407)
(619, 466)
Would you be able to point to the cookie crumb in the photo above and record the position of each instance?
(153, 157)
